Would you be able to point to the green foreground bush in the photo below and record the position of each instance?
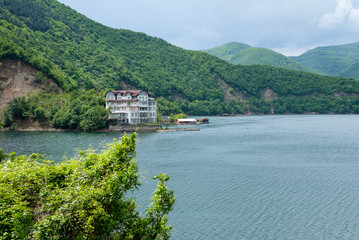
(85, 197)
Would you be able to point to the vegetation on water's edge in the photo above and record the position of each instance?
(86, 197)
(86, 110)
(280, 105)
(75, 111)
(80, 54)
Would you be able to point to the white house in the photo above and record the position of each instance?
(131, 106)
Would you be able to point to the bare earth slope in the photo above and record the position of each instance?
(20, 79)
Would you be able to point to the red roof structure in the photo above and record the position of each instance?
(134, 93)
(123, 100)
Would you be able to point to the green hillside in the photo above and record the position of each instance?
(228, 51)
(352, 71)
(239, 53)
(80, 54)
(333, 60)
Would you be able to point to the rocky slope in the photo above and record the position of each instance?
(20, 79)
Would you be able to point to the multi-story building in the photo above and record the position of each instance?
(131, 106)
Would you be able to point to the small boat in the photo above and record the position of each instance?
(202, 120)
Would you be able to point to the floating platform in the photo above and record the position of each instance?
(178, 129)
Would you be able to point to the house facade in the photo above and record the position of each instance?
(131, 106)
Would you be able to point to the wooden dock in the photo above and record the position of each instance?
(178, 129)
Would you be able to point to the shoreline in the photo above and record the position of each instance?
(131, 128)
(125, 128)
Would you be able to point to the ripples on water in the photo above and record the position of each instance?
(259, 177)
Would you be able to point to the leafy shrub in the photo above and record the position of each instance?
(3, 155)
(7, 120)
(18, 108)
(86, 197)
(39, 114)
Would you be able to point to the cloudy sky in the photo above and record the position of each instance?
(287, 26)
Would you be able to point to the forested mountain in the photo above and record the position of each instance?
(228, 51)
(341, 60)
(239, 53)
(80, 54)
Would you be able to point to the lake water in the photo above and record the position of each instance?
(256, 177)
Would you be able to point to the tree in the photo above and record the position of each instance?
(94, 118)
(39, 114)
(18, 108)
(3, 155)
(7, 120)
(86, 197)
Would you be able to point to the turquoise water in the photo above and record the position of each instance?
(257, 177)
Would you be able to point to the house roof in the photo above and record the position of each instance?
(123, 100)
(134, 93)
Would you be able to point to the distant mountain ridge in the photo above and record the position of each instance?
(340, 60)
(239, 53)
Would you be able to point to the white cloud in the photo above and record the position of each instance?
(354, 18)
(294, 50)
(197, 37)
(203, 31)
(344, 14)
